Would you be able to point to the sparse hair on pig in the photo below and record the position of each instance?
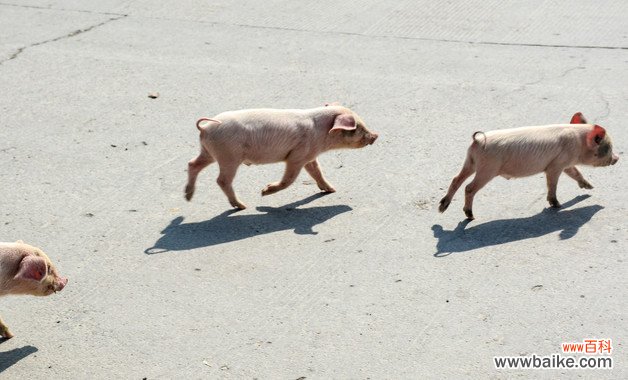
(264, 136)
(521, 152)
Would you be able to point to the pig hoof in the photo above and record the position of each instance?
(6, 334)
(585, 185)
(469, 214)
(328, 189)
(189, 192)
(238, 205)
(554, 203)
(444, 203)
(270, 189)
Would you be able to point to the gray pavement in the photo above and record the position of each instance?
(368, 283)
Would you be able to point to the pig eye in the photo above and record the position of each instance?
(603, 150)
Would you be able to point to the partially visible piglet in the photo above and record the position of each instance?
(264, 136)
(25, 269)
(521, 152)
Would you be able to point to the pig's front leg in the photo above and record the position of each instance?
(314, 170)
(4, 330)
(574, 173)
(289, 176)
(552, 175)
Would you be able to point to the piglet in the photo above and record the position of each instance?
(25, 269)
(264, 136)
(521, 152)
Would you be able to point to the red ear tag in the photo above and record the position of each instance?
(595, 136)
(578, 118)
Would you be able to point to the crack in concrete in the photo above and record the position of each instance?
(564, 73)
(580, 66)
(444, 40)
(65, 36)
(469, 42)
(534, 45)
(60, 9)
(567, 71)
(607, 106)
(522, 87)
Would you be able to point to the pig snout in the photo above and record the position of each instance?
(60, 284)
(372, 137)
(614, 159)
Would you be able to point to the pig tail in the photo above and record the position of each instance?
(198, 123)
(477, 133)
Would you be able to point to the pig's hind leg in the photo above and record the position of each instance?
(4, 330)
(468, 168)
(194, 167)
(293, 168)
(314, 170)
(574, 173)
(483, 176)
(228, 169)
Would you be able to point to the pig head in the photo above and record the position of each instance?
(264, 136)
(25, 269)
(520, 152)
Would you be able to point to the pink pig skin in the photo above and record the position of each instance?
(264, 136)
(521, 152)
(25, 269)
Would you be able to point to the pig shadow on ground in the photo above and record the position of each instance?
(226, 227)
(496, 232)
(8, 358)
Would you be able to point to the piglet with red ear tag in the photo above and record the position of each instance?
(521, 152)
(25, 269)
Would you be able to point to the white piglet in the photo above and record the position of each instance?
(521, 152)
(264, 136)
(25, 269)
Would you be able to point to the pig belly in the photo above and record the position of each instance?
(518, 170)
(272, 150)
(247, 151)
(258, 161)
(263, 157)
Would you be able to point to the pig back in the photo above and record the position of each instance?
(525, 151)
(261, 136)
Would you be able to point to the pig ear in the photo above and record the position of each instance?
(595, 136)
(578, 118)
(344, 122)
(32, 268)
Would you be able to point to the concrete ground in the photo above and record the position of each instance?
(370, 282)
